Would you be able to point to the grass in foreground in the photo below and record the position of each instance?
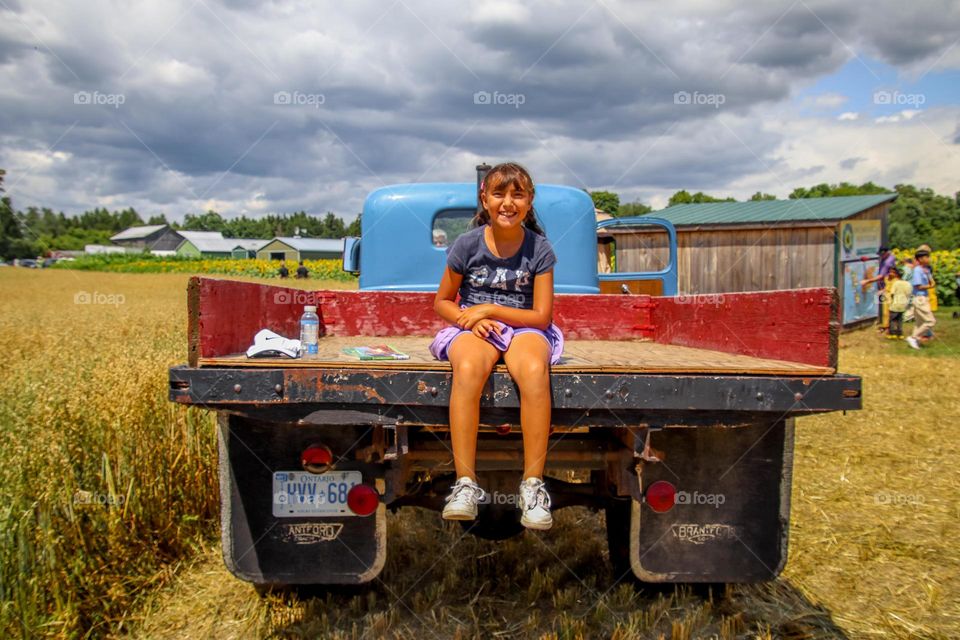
(83, 409)
(105, 484)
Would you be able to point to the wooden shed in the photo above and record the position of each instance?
(724, 247)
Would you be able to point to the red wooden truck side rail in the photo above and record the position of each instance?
(799, 325)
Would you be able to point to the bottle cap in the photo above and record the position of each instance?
(310, 307)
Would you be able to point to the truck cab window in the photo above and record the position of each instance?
(449, 225)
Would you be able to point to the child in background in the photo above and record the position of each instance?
(922, 284)
(899, 292)
(503, 271)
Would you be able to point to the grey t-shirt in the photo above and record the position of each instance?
(503, 281)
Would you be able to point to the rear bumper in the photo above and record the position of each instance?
(371, 391)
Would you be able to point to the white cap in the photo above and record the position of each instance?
(310, 307)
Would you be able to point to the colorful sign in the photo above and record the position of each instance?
(859, 303)
(859, 238)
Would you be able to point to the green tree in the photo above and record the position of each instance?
(683, 197)
(209, 221)
(158, 219)
(762, 196)
(633, 209)
(353, 229)
(606, 201)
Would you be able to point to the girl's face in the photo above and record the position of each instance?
(507, 204)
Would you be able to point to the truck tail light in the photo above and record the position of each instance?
(363, 499)
(317, 458)
(660, 496)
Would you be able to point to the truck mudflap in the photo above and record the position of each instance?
(716, 508)
(262, 548)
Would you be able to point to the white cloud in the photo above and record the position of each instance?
(199, 126)
(906, 114)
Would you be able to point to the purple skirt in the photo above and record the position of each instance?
(552, 335)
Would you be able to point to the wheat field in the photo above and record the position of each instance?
(109, 512)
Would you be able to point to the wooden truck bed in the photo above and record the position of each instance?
(579, 356)
(766, 352)
(766, 332)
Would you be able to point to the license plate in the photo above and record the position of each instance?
(299, 493)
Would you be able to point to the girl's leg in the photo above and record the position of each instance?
(472, 359)
(528, 361)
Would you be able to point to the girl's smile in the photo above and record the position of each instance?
(507, 204)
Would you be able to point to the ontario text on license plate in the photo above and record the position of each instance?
(299, 493)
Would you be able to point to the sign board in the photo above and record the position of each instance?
(859, 304)
(859, 238)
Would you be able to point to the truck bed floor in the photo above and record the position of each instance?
(580, 356)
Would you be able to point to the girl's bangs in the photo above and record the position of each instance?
(507, 177)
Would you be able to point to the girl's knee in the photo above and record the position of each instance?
(471, 371)
(532, 373)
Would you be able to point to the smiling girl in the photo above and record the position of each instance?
(503, 271)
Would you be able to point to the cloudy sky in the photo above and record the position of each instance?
(253, 107)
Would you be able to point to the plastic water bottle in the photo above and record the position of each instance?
(309, 331)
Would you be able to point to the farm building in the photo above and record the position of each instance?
(144, 237)
(769, 244)
(246, 247)
(206, 244)
(296, 249)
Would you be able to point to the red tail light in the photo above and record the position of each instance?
(363, 499)
(317, 458)
(661, 496)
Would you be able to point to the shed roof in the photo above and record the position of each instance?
(313, 244)
(772, 211)
(209, 241)
(250, 244)
(136, 233)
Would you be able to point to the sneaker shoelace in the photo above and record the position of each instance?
(473, 492)
(535, 496)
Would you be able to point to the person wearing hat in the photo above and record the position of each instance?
(887, 262)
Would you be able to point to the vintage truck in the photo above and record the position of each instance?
(673, 414)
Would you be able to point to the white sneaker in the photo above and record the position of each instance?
(463, 499)
(913, 342)
(535, 504)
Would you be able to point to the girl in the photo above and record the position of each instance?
(503, 270)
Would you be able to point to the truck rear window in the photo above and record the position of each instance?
(448, 225)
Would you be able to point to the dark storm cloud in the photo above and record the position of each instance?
(395, 92)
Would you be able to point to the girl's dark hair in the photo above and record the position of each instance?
(505, 175)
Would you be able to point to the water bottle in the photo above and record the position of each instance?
(309, 331)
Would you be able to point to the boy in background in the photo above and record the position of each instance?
(898, 292)
(922, 284)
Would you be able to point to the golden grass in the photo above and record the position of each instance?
(83, 407)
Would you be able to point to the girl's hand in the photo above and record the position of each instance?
(472, 315)
(484, 326)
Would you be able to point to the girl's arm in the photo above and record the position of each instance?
(539, 317)
(445, 302)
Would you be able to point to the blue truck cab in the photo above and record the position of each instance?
(406, 230)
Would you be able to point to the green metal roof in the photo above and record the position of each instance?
(771, 211)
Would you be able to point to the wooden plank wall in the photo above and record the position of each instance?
(722, 259)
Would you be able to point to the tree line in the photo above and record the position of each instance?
(916, 217)
(37, 231)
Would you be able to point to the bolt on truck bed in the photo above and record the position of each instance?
(659, 400)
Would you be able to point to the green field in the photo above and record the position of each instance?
(109, 511)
